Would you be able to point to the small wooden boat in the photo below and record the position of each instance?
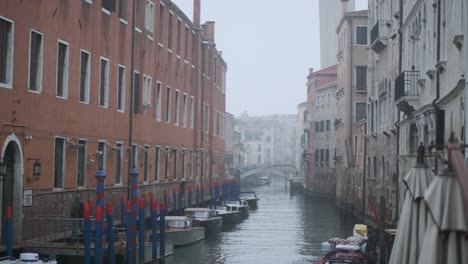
(250, 197)
(205, 217)
(180, 231)
(30, 258)
(343, 256)
(239, 205)
(230, 215)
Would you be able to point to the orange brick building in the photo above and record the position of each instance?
(66, 70)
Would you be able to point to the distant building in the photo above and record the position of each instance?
(302, 137)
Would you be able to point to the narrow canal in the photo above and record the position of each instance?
(284, 229)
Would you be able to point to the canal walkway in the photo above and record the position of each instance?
(284, 229)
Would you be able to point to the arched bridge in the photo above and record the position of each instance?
(279, 170)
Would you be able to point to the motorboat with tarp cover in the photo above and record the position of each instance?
(250, 197)
(180, 231)
(230, 215)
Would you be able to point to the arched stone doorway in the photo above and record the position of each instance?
(11, 187)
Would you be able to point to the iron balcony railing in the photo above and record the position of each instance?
(407, 84)
(381, 29)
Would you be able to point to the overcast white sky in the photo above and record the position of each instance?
(269, 45)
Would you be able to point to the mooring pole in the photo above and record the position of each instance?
(129, 249)
(110, 234)
(9, 232)
(141, 229)
(154, 227)
(98, 236)
(100, 177)
(87, 233)
(162, 232)
(122, 211)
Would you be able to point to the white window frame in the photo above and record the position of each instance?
(192, 111)
(121, 162)
(121, 89)
(106, 83)
(168, 104)
(177, 106)
(355, 108)
(184, 113)
(157, 165)
(149, 16)
(147, 87)
(85, 164)
(355, 35)
(146, 164)
(10, 52)
(65, 71)
(158, 101)
(88, 78)
(40, 65)
(63, 162)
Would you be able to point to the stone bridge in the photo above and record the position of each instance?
(279, 170)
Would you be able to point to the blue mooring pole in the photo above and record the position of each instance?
(141, 229)
(9, 231)
(110, 234)
(122, 211)
(129, 251)
(154, 227)
(162, 232)
(87, 233)
(98, 236)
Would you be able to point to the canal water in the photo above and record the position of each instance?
(284, 229)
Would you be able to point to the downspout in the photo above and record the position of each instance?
(397, 124)
(434, 104)
(202, 134)
(465, 24)
(132, 95)
(364, 181)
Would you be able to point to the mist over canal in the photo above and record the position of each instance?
(284, 229)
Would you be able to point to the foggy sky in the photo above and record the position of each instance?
(269, 45)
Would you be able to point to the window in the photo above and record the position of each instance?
(191, 164)
(147, 87)
(166, 164)
(137, 93)
(176, 108)
(184, 114)
(118, 163)
(161, 23)
(317, 152)
(146, 164)
(361, 78)
(327, 157)
(158, 101)
(59, 162)
(168, 105)
(192, 111)
(149, 15)
(84, 76)
(183, 164)
(157, 151)
(102, 155)
(207, 118)
(328, 126)
(360, 111)
(121, 88)
(104, 83)
(62, 69)
(35, 62)
(361, 35)
(186, 46)
(81, 163)
(317, 126)
(322, 126)
(134, 156)
(6, 52)
(259, 159)
(123, 9)
(179, 36)
(176, 153)
(108, 6)
(169, 39)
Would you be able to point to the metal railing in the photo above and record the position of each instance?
(381, 29)
(407, 84)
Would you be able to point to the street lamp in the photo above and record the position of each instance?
(36, 170)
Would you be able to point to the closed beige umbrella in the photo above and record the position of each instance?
(414, 215)
(446, 239)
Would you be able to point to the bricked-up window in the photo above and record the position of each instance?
(186, 46)
(179, 36)
(169, 39)
(35, 61)
(361, 78)
(123, 9)
(147, 87)
(104, 83)
(146, 164)
(176, 108)
(184, 113)
(121, 88)
(149, 15)
(118, 163)
(166, 163)
(81, 163)
(328, 126)
(183, 163)
(62, 70)
(6, 52)
(157, 161)
(136, 93)
(102, 155)
(361, 35)
(168, 105)
(192, 111)
(59, 162)
(84, 76)
(360, 111)
(176, 154)
(108, 6)
(158, 101)
(161, 23)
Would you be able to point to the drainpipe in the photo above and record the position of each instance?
(397, 124)
(132, 95)
(465, 25)
(438, 112)
(202, 135)
(364, 181)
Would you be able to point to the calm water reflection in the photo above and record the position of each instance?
(283, 229)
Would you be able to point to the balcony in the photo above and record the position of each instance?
(407, 91)
(379, 35)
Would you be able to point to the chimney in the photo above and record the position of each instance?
(344, 7)
(209, 30)
(196, 12)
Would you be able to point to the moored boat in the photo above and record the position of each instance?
(205, 217)
(239, 205)
(30, 258)
(230, 215)
(250, 197)
(180, 231)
